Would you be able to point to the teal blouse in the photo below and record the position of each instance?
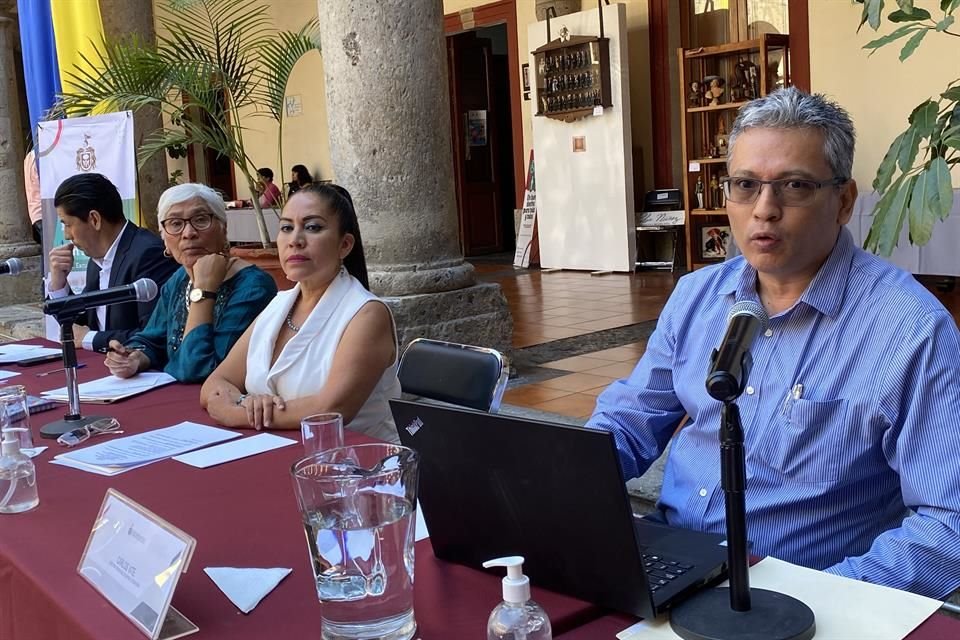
(194, 357)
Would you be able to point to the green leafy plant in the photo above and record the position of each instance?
(213, 61)
(914, 179)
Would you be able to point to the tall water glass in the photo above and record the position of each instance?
(15, 414)
(321, 432)
(358, 509)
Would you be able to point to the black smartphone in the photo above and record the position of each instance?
(29, 362)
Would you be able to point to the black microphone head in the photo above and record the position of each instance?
(14, 266)
(146, 289)
(749, 308)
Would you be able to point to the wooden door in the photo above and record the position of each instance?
(474, 144)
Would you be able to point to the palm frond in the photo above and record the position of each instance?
(281, 55)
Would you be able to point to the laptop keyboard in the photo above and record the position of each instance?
(662, 570)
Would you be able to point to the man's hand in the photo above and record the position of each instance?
(210, 270)
(61, 263)
(79, 333)
(124, 362)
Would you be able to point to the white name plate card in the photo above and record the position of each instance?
(134, 559)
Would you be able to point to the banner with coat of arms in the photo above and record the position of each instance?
(92, 144)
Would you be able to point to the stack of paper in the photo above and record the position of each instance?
(122, 454)
(8, 374)
(112, 388)
(17, 352)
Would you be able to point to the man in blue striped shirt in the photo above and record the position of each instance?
(850, 413)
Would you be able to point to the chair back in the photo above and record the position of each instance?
(460, 374)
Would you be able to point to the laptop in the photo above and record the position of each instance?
(495, 485)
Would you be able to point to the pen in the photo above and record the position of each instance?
(46, 373)
(134, 348)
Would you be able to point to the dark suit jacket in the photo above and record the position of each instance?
(139, 255)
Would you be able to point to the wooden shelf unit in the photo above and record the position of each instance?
(746, 73)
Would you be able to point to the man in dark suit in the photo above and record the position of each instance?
(91, 210)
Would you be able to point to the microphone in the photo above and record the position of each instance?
(11, 267)
(730, 364)
(143, 290)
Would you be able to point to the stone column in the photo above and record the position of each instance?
(388, 109)
(124, 18)
(16, 239)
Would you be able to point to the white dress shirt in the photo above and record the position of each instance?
(106, 266)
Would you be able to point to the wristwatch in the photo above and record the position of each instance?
(197, 294)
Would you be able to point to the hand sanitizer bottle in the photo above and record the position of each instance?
(18, 479)
(517, 617)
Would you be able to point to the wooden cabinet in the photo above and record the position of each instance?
(714, 83)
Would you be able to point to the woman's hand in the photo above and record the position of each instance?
(124, 362)
(210, 271)
(260, 408)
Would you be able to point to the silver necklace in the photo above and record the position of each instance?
(290, 324)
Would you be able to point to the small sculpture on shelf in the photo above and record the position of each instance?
(695, 97)
(745, 85)
(698, 190)
(722, 194)
(714, 192)
(714, 91)
(722, 139)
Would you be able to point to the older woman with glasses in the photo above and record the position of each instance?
(205, 306)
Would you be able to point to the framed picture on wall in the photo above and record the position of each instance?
(525, 76)
(713, 241)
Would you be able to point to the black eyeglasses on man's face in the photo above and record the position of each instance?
(790, 192)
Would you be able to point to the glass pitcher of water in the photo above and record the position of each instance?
(358, 509)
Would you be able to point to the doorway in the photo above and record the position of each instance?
(481, 113)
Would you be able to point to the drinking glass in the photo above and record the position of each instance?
(358, 506)
(320, 432)
(15, 414)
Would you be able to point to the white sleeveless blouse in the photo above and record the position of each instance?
(304, 362)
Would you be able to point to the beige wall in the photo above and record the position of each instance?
(879, 90)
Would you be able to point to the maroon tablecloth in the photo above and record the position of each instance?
(242, 514)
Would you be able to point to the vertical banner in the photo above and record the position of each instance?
(40, 71)
(528, 221)
(93, 144)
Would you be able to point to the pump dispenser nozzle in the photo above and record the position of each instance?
(516, 586)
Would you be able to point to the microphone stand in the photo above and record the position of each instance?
(72, 419)
(737, 613)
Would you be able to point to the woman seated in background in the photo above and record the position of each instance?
(299, 178)
(327, 345)
(206, 305)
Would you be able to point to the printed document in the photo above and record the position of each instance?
(112, 388)
(16, 352)
(133, 451)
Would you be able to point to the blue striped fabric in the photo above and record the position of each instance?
(859, 476)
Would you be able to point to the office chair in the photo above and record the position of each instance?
(460, 374)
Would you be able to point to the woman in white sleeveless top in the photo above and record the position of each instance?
(328, 344)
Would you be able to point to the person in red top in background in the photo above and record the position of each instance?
(270, 196)
(31, 182)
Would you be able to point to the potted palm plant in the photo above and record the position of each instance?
(213, 61)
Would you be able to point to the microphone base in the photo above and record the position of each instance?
(772, 616)
(68, 423)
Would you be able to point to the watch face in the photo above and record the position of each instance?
(196, 295)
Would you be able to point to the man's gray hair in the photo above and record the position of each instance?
(791, 108)
(182, 192)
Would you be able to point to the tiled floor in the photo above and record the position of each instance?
(548, 306)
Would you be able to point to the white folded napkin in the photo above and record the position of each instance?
(246, 587)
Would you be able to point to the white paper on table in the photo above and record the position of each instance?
(246, 587)
(150, 446)
(32, 452)
(100, 471)
(16, 352)
(844, 609)
(8, 374)
(111, 388)
(235, 450)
